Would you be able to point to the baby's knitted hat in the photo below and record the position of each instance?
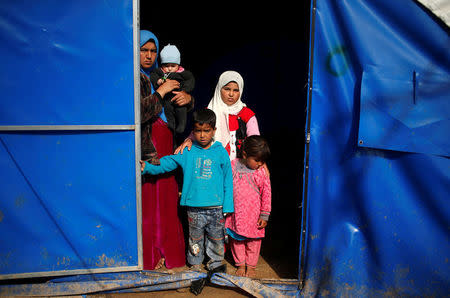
(170, 54)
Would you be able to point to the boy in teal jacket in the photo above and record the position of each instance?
(207, 190)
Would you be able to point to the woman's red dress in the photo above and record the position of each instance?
(162, 232)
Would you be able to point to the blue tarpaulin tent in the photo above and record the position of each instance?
(376, 167)
(377, 173)
(68, 135)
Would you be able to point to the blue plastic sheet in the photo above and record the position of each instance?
(405, 111)
(376, 218)
(135, 282)
(68, 201)
(103, 283)
(67, 198)
(257, 288)
(66, 63)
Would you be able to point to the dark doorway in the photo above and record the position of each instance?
(268, 46)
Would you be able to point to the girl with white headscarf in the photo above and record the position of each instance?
(235, 120)
(227, 114)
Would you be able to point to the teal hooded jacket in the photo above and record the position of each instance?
(207, 176)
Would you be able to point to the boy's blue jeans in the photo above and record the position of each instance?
(206, 233)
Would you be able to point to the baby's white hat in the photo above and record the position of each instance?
(170, 54)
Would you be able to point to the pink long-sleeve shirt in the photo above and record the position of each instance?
(252, 199)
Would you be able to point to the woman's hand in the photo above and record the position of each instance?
(187, 143)
(167, 86)
(181, 98)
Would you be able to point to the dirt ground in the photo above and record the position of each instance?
(275, 266)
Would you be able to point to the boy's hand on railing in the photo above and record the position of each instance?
(142, 165)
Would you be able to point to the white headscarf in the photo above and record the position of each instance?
(221, 109)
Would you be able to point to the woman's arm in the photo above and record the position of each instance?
(167, 87)
(186, 143)
(252, 127)
(151, 103)
(182, 98)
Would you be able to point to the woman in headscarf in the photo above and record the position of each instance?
(162, 233)
(235, 121)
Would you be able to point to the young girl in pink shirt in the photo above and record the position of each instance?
(252, 205)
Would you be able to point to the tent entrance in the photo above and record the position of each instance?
(73, 120)
(274, 88)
